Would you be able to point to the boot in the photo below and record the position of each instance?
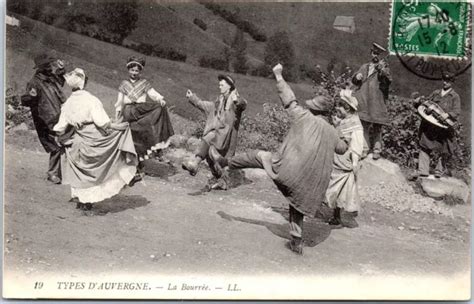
(191, 165)
(348, 219)
(335, 221)
(296, 245)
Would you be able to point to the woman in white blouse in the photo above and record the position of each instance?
(100, 155)
(145, 110)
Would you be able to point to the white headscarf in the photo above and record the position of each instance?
(76, 78)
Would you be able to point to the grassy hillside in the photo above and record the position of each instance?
(105, 65)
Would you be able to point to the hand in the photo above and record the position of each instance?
(359, 76)
(121, 126)
(162, 102)
(278, 69)
(189, 94)
(428, 111)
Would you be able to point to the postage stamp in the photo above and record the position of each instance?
(430, 28)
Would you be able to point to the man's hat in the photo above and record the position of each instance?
(377, 48)
(43, 59)
(227, 79)
(320, 103)
(447, 77)
(346, 96)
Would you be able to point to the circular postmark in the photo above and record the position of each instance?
(431, 38)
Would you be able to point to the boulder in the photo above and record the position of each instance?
(440, 187)
(178, 141)
(192, 144)
(257, 175)
(373, 172)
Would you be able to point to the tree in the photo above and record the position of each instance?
(239, 46)
(279, 49)
(119, 18)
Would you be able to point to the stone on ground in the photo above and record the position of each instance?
(440, 187)
(192, 144)
(373, 172)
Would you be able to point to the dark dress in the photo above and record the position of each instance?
(149, 122)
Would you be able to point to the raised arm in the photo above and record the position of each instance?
(204, 106)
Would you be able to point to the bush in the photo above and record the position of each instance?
(279, 49)
(214, 63)
(200, 23)
(15, 113)
(261, 71)
(265, 130)
(234, 18)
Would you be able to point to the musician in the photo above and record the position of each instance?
(434, 138)
(372, 82)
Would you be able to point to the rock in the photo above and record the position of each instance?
(178, 141)
(440, 187)
(373, 172)
(21, 127)
(192, 144)
(256, 175)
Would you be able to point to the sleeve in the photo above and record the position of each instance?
(456, 109)
(204, 106)
(32, 95)
(361, 71)
(98, 114)
(62, 124)
(357, 142)
(119, 104)
(154, 95)
(286, 94)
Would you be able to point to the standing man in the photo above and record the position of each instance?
(302, 167)
(221, 130)
(44, 96)
(372, 83)
(436, 139)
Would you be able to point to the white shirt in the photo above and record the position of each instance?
(80, 108)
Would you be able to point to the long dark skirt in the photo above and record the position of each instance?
(150, 124)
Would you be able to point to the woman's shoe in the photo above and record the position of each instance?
(296, 245)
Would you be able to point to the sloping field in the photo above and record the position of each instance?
(105, 65)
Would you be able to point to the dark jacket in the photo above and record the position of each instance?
(433, 138)
(44, 96)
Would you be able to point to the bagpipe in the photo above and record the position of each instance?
(430, 111)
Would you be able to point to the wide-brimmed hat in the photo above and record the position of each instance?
(346, 96)
(320, 103)
(43, 59)
(377, 48)
(135, 60)
(230, 81)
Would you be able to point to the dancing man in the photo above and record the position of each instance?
(221, 130)
(302, 166)
(44, 97)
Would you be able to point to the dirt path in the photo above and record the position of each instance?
(157, 227)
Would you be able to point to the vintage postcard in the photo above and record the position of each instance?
(237, 150)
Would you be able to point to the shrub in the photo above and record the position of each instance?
(279, 49)
(200, 23)
(119, 18)
(265, 130)
(214, 63)
(236, 19)
(262, 71)
(15, 113)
